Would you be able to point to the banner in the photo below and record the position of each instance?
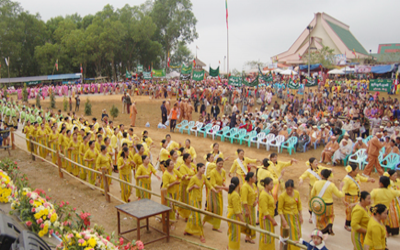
(128, 75)
(185, 77)
(382, 85)
(362, 69)
(339, 59)
(174, 66)
(186, 70)
(254, 83)
(140, 68)
(214, 72)
(33, 82)
(146, 75)
(235, 81)
(293, 85)
(198, 75)
(159, 73)
(311, 82)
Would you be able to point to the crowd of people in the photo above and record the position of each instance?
(333, 115)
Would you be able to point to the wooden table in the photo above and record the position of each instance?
(144, 209)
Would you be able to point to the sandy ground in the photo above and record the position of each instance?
(46, 177)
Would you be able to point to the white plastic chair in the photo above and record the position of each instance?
(257, 138)
(270, 138)
(196, 128)
(277, 142)
(213, 131)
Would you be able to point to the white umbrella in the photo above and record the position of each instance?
(173, 74)
(288, 72)
(347, 69)
(336, 72)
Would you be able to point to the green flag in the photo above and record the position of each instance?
(253, 83)
(174, 66)
(266, 78)
(293, 85)
(140, 68)
(198, 75)
(311, 82)
(186, 69)
(128, 75)
(214, 72)
(235, 81)
(159, 73)
(147, 75)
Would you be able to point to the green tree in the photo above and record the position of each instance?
(114, 111)
(88, 107)
(65, 104)
(175, 22)
(323, 56)
(181, 54)
(255, 64)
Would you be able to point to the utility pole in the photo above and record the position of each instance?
(309, 27)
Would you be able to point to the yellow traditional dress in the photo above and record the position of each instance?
(238, 165)
(289, 207)
(145, 182)
(137, 159)
(359, 219)
(313, 175)
(386, 196)
(276, 170)
(41, 135)
(267, 207)
(183, 194)
(215, 202)
(351, 189)
(90, 159)
(53, 145)
(65, 144)
(28, 132)
(125, 175)
(103, 161)
(74, 157)
(375, 237)
(234, 210)
(172, 191)
(248, 195)
(194, 225)
(82, 150)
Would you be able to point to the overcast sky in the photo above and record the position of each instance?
(257, 29)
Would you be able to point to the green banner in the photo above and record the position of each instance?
(198, 75)
(140, 68)
(159, 73)
(33, 82)
(128, 75)
(174, 66)
(293, 85)
(186, 70)
(214, 72)
(147, 75)
(235, 81)
(253, 83)
(381, 85)
(266, 78)
(311, 82)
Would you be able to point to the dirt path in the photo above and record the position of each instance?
(43, 176)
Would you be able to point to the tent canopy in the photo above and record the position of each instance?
(288, 72)
(381, 69)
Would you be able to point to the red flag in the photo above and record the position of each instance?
(219, 79)
(194, 62)
(149, 67)
(81, 69)
(136, 76)
(354, 52)
(169, 60)
(57, 64)
(226, 7)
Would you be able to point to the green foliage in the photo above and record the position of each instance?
(38, 100)
(65, 104)
(52, 100)
(88, 107)
(114, 111)
(25, 93)
(323, 56)
(181, 54)
(255, 64)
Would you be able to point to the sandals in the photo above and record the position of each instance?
(203, 240)
(217, 230)
(249, 241)
(347, 228)
(310, 221)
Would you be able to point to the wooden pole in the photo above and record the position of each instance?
(285, 234)
(105, 184)
(164, 202)
(12, 139)
(59, 163)
(32, 148)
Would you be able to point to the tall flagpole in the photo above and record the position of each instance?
(227, 38)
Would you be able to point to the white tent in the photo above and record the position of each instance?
(288, 72)
(347, 69)
(173, 74)
(277, 70)
(336, 72)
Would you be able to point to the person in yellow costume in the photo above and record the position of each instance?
(171, 144)
(103, 161)
(190, 150)
(99, 142)
(124, 174)
(90, 160)
(216, 153)
(215, 202)
(351, 189)
(163, 155)
(266, 205)
(170, 181)
(28, 133)
(249, 199)
(313, 174)
(210, 165)
(60, 142)
(325, 190)
(385, 195)
(73, 148)
(242, 165)
(176, 159)
(146, 139)
(83, 147)
(194, 225)
(394, 209)
(143, 176)
(359, 220)
(114, 139)
(187, 169)
(41, 138)
(34, 134)
(53, 141)
(234, 213)
(263, 172)
(289, 209)
(138, 160)
(375, 238)
(276, 168)
(67, 153)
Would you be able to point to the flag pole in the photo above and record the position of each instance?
(8, 69)
(227, 38)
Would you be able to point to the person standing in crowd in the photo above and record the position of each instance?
(77, 103)
(375, 237)
(164, 114)
(266, 205)
(359, 220)
(133, 114)
(374, 146)
(173, 116)
(234, 213)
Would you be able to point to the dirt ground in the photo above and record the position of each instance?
(42, 175)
